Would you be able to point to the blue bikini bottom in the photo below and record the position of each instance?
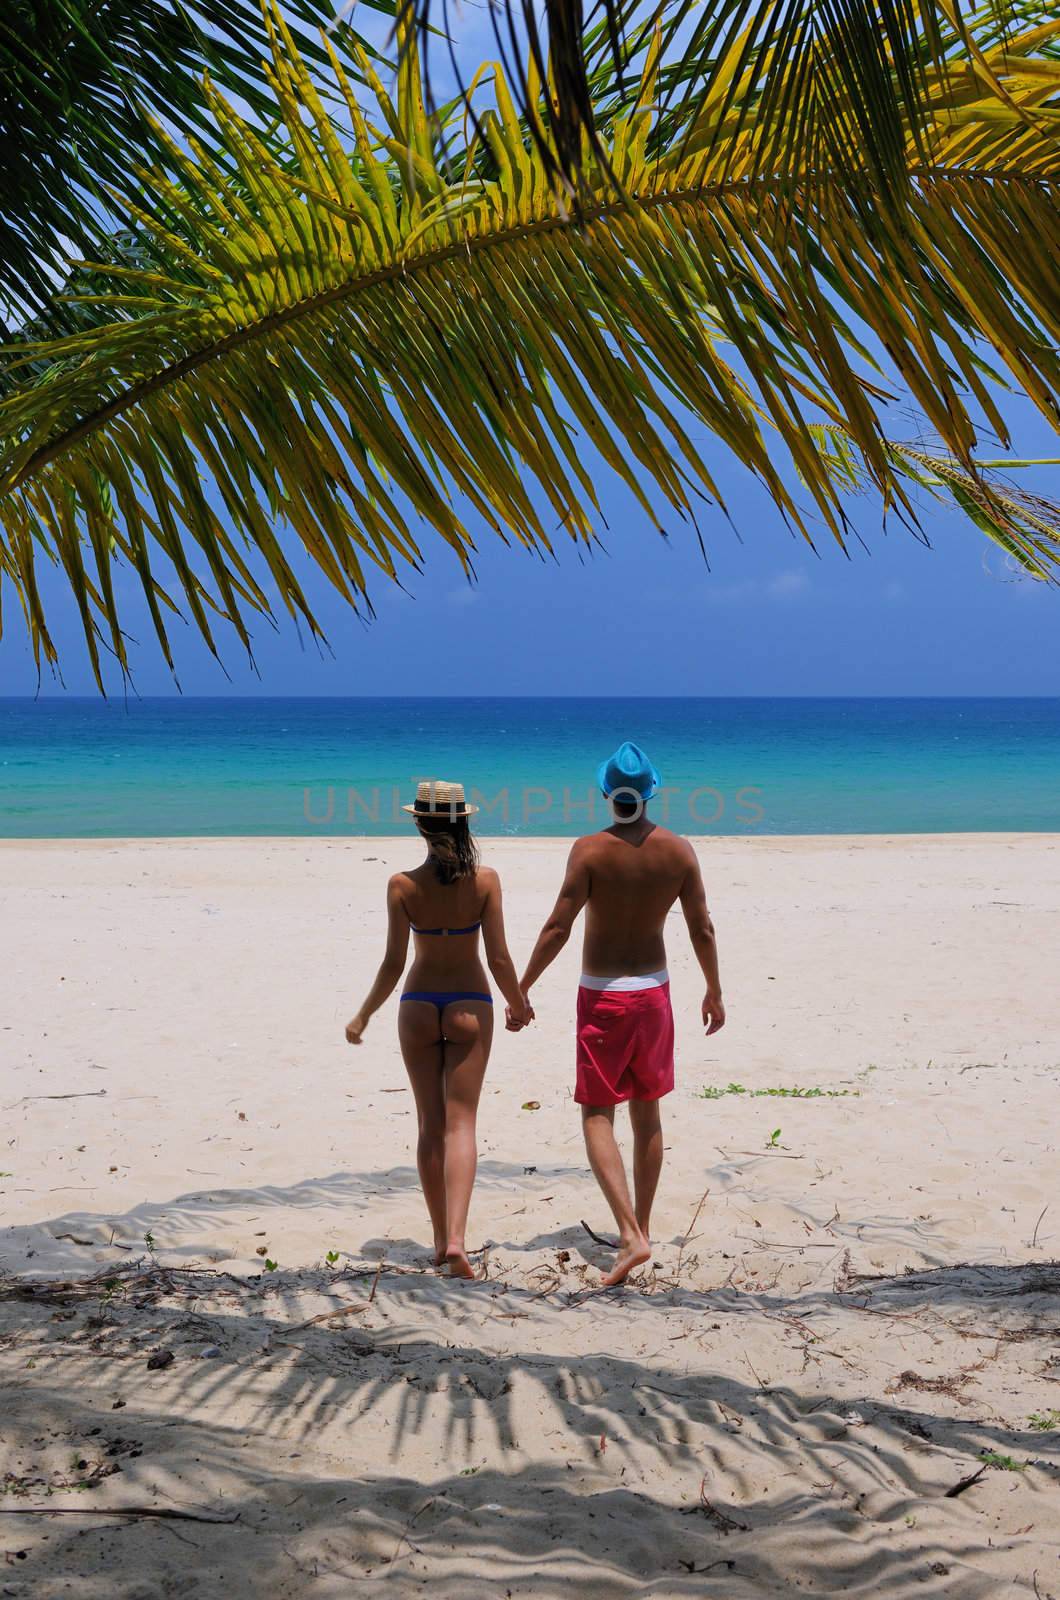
(442, 997)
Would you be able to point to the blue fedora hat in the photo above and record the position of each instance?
(628, 768)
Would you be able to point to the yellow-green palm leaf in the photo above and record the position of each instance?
(368, 329)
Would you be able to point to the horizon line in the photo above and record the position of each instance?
(179, 699)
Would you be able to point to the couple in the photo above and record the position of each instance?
(626, 877)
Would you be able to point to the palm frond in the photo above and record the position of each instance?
(372, 327)
(1025, 526)
(840, 81)
(76, 79)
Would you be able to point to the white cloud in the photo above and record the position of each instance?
(787, 584)
(782, 586)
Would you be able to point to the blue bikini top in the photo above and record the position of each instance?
(446, 932)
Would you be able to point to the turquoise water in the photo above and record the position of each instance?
(90, 768)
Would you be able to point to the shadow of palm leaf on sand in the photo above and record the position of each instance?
(779, 1488)
(433, 1433)
(533, 1533)
(220, 1223)
(962, 1280)
(189, 1226)
(711, 1429)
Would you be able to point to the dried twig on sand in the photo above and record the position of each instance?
(77, 1094)
(134, 1276)
(608, 1244)
(721, 1520)
(408, 1526)
(325, 1316)
(168, 1513)
(688, 1232)
(962, 1484)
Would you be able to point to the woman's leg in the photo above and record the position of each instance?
(419, 1034)
(468, 1026)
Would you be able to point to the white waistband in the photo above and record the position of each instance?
(648, 980)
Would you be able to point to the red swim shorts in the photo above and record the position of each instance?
(625, 1045)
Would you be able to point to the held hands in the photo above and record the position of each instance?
(518, 1017)
(713, 1012)
(355, 1029)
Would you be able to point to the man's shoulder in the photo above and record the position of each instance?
(668, 840)
(580, 852)
(590, 844)
(681, 851)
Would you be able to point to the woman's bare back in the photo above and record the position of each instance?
(445, 960)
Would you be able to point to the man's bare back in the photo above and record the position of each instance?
(636, 871)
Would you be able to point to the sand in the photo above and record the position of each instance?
(824, 1350)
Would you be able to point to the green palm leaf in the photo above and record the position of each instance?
(76, 78)
(373, 327)
(841, 80)
(1024, 526)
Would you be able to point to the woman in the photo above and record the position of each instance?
(445, 1020)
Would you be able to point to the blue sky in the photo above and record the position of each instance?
(768, 617)
(646, 617)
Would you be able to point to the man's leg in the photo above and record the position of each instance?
(605, 1158)
(647, 1158)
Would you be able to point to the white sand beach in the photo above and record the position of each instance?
(835, 1329)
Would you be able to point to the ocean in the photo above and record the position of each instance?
(72, 768)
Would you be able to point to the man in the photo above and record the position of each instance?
(628, 877)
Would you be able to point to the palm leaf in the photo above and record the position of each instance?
(76, 78)
(845, 80)
(370, 328)
(1025, 526)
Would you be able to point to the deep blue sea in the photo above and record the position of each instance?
(98, 769)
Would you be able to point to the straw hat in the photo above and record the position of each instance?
(436, 798)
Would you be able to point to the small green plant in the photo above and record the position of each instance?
(715, 1092)
(331, 1257)
(111, 1288)
(1043, 1421)
(149, 1241)
(992, 1458)
(86, 1477)
(773, 1140)
(468, 1472)
(807, 1094)
(270, 1266)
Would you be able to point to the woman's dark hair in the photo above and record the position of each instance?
(454, 853)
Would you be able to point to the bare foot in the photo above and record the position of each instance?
(632, 1254)
(457, 1262)
(439, 1252)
